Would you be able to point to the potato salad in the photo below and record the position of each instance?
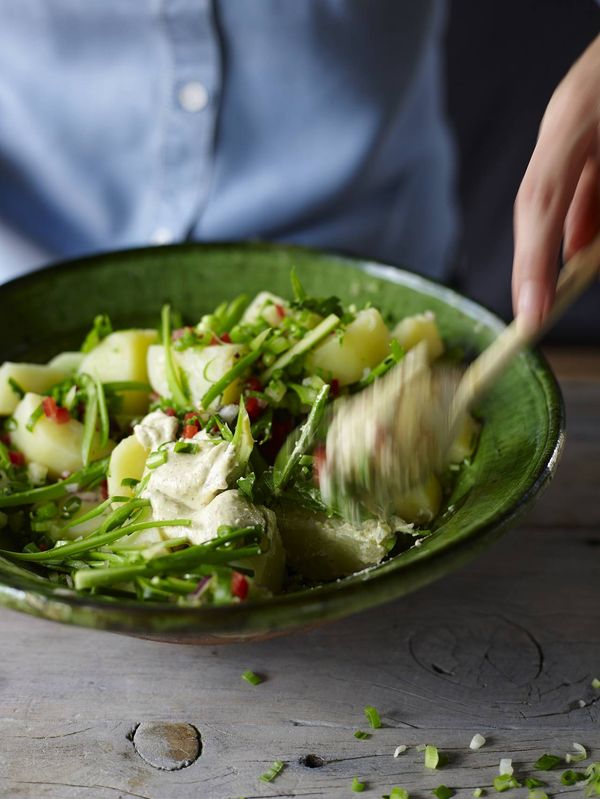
(180, 464)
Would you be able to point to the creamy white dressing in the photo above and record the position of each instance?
(155, 429)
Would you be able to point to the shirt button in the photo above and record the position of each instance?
(162, 235)
(193, 96)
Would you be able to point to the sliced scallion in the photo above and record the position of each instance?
(372, 717)
(273, 771)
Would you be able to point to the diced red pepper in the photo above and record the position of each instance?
(253, 408)
(104, 489)
(191, 415)
(54, 412)
(280, 310)
(5, 439)
(335, 387)
(190, 430)
(16, 458)
(226, 338)
(170, 411)
(239, 585)
(214, 340)
(253, 384)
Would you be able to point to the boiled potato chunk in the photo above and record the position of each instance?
(122, 356)
(421, 504)
(364, 343)
(264, 306)
(56, 446)
(31, 377)
(128, 459)
(67, 362)
(421, 327)
(466, 441)
(202, 367)
(323, 548)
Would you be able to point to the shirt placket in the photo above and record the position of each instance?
(192, 89)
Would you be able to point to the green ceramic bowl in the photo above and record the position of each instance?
(521, 440)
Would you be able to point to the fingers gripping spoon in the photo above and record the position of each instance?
(394, 434)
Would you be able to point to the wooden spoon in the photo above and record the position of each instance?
(394, 434)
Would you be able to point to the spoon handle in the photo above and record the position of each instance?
(576, 275)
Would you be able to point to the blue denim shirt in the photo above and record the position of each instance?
(318, 122)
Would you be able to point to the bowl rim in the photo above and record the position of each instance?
(373, 586)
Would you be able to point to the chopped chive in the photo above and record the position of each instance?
(372, 717)
(272, 772)
(102, 413)
(532, 783)
(398, 793)
(18, 390)
(83, 478)
(570, 777)
(443, 792)
(101, 328)
(477, 742)
(90, 420)
(4, 456)
(478, 793)
(309, 341)
(236, 370)
(157, 458)
(252, 678)
(578, 755)
(362, 736)
(547, 762)
(116, 386)
(185, 447)
(358, 786)
(174, 373)
(35, 416)
(503, 782)
(537, 793)
(70, 507)
(129, 482)
(432, 756)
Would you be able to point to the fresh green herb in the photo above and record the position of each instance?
(4, 456)
(443, 792)
(372, 717)
(398, 793)
(593, 779)
(547, 762)
(185, 447)
(478, 793)
(70, 507)
(236, 371)
(117, 386)
(578, 755)
(175, 380)
(362, 736)
(532, 783)
(90, 420)
(570, 777)
(275, 769)
(102, 413)
(432, 756)
(242, 441)
(101, 328)
(290, 454)
(246, 484)
(395, 356)
(297, 287)
(309, 341)
(504, 782)
(252, 678)
(157, 458)
(358, 786)
(129, 482)
(35, 416)
(84, 478)
(18, 390)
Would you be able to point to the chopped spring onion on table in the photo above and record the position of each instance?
(400, 750)
(532, 783)
(478, 793)
(398, 793)
(432, 756)
(373, 717)
(578, 755)
(505, 767)
(252, 678)
(477, 741)
(443, 792)
(275, 769)
(537, 793)
(358, 786)
(547, 762)
(504, 782)
(361, 735)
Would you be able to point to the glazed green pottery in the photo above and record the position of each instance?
(51, 310)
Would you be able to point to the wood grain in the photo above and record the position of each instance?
(507, 647)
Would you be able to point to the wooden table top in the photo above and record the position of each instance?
(506, 647)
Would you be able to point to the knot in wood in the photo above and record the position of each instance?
(167, 746)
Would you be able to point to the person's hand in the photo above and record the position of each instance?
(559, 197)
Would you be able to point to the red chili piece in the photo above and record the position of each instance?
(170, 411)
(16, 458)
(104, 489)
(253, 384)
(253, 408)
(319, 458)
(226, 338)
(190, 430)
(239, 585)
(54, 412)
(280, 310)
(335, 387)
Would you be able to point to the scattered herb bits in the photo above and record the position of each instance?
(477, 741)
(443, 792)
(358, 786)
(362, 736)
(478, 793)
(432, 756)
(570, 777)
(532, 783)
(274, 771)
(579, 754)
(373, 717)
(547, 762)
(252, 678)
(537, 793)
(505, 766)
(504, 782)
(397, 793)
